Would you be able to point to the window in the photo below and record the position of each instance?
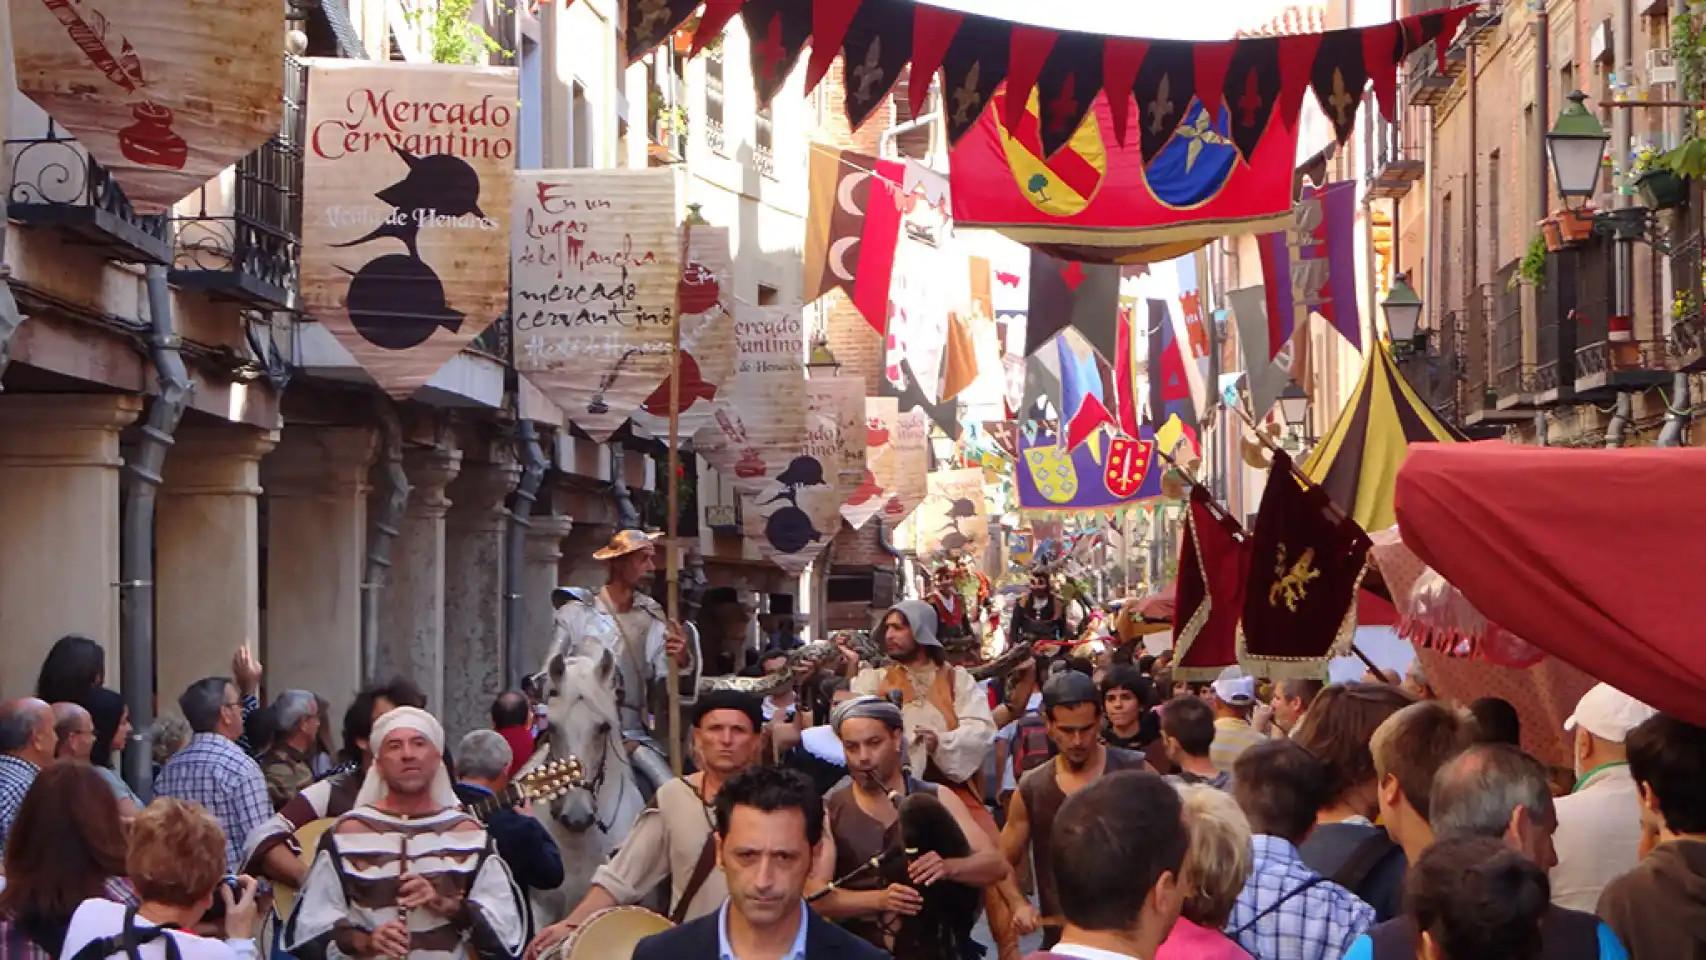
(767, 295)
(714, 99)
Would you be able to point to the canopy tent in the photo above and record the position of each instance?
(1357, 461)
(1584, 553)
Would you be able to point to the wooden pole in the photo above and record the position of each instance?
(672, 555)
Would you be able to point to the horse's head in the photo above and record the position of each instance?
(580, 694)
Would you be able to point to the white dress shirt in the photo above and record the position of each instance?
(1598, 837)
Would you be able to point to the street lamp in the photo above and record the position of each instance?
(1403, 310)
(1576, 145)
(822, 359)
(1294, 405)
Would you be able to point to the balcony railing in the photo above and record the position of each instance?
(55, 183)
(1687, 342)
(240, 236)
(1512, 375)
(1687, 339)
(1396, 165)
(1609, 367)
(1575, 278)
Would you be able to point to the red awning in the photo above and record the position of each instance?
(1593, 555)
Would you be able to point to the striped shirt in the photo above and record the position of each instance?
(1286, 911)
(16, 777)
(217, 774)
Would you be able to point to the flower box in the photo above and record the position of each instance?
(1574, 226)
(1662, 189)
(1554, 234)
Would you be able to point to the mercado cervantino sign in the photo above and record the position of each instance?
(408, 171)
(164, 103)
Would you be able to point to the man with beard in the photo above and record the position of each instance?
(1040, 615)
(893, 906)
(1073, 712)
(672, 838)
(632, 626)
(406, 873)
(956, 623)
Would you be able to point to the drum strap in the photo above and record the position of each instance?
(701, 873)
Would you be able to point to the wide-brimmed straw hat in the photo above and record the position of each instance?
(626, 542)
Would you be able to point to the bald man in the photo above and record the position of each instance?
(27, 743)
(74, 732)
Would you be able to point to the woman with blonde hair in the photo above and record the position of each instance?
(1217, 863)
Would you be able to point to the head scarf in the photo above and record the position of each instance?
(106, 709)
(921, 617)
(374, 789)
(865, 708)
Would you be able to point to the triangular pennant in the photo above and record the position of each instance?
(1252, 90)
(1382, 48)
(1339, 78)
(1068, 293)
(1297, 53)
(1121, 59)
(1212, 59)
(1091, 416)
(1030, 47)
(1164, 88)
(717, 15)
(779, 30)
(650, 22)
(974, 66)
(933, 29)
(830, 20)
(875, 52)
(1066, 87)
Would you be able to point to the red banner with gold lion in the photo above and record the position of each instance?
(1095, 200)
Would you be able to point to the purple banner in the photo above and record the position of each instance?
(1104, 472)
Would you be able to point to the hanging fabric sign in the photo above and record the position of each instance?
(797, 511)
(758, 420)
(707, 338)
(953, 519)
(597, 258)
(882, 419)
(406, 206)
(911, 440)
(163, 102)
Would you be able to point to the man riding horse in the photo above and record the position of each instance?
(631, 625)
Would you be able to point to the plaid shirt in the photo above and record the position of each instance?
(15, 779)
(217, 774)
(1317, 924)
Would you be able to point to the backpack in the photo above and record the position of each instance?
(128, 941)
(1031, 744)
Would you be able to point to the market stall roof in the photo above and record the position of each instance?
(1357, 461)
(1591, 555)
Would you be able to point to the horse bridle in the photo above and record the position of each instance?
(596, 784)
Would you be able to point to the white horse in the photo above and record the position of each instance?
(589, 822)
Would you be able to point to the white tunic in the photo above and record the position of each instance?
(959, 752)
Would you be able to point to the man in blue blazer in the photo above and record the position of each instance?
(769, 822)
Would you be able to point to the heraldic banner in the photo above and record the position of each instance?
(759, 421)
(1214, 563)
(798, 511)
(953, 520)
(1097, 201)
(164, 102)
(405, 212)
(597, 257)
(707, 337)
(1104, 472)
(882, 419)
(1307, 562)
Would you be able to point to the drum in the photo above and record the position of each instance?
(610, 934)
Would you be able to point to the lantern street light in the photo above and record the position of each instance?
(1294, 405)
(1403, 310)
(1576, 145)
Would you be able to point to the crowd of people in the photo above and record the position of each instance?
(873, 801)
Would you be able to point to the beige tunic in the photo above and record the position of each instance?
(665, 842)
(961, 746)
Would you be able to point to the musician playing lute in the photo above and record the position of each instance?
(406, 873)
(904, 904)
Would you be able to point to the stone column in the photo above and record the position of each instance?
(59, 522)
(207, 555)
(315, 482)
(475, 533)
(540, 575)
(411, 604)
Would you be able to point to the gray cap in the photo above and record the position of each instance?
(1069, 688)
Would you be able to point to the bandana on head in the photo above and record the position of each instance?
(865, 708)
(374, 788)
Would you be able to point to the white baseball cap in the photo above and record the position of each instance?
(1608, 713)
(1232, 687)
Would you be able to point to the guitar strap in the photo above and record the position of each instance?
(701, 873)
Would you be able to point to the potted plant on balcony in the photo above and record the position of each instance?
(1531, 269)
(1551, 235)
(1663, 180)
(1574, 226)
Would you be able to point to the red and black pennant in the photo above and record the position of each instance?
(1339, 78)
(876, 50)
(974, 66)
(650, 22)
(778, 30)
(1165, 86)
(1067, 85)
(1252, 89)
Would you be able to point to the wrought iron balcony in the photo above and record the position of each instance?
(1576, 278)
(240, 236)
(1479, 26)
(1513, 375)
(1609, 367)
(1687, 343)
(1512, 384)
(1396, 165)
(56, 184)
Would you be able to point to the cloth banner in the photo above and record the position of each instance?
(1106, 472)
(407, 180)
(1098, 197)
(1311, 266)
(1190, 329)
(164, 102)
(1267, 371)
(597, 260)
(882, 419)
(1214, 566)
(911, 441)
(759, 420)
(852, 228)
(796, 511)
(953, 519)
(1172, 413)
(1306, 565)
(931, 281)
(707, 337)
